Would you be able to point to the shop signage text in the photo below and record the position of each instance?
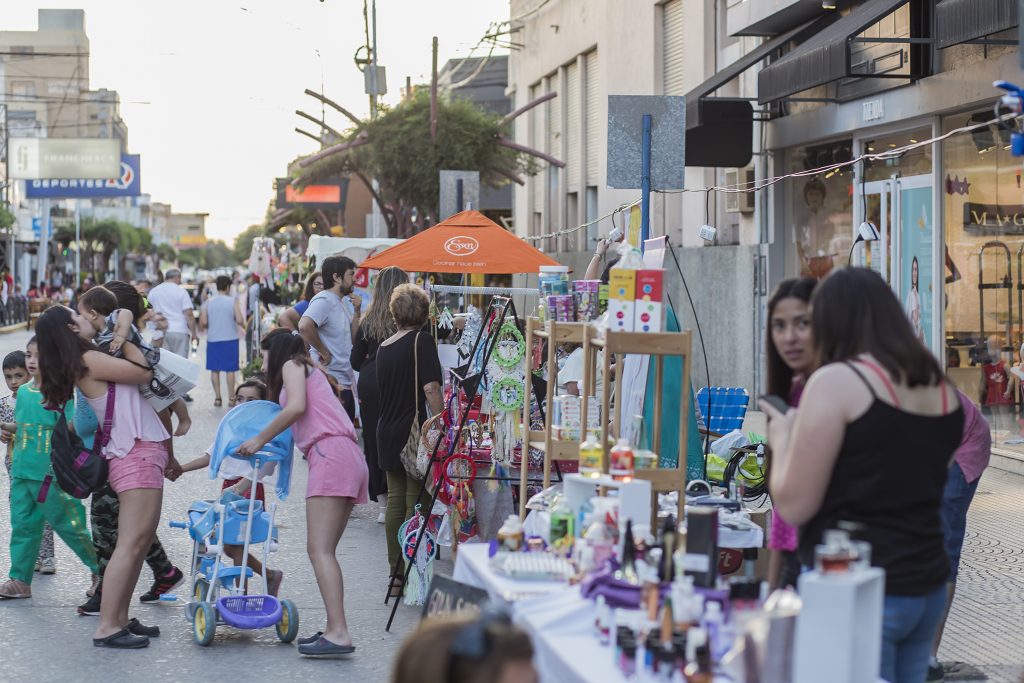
(446, 597)
(994, 219)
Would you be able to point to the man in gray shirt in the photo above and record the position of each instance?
(329, 323)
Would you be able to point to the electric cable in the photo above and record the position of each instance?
(704, 352)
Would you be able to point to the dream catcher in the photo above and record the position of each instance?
(422, 558)
(457, 487)
(506, 391)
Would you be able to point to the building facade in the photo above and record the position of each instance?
(816, 86)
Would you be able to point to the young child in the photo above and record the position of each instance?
(35, 497)
(15, 374)
(250, 390)
(113, 314)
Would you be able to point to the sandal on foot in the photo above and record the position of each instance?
(12, 590)
(122, 640)
(217, 403)
(325, 648)
(309, 640)
(137, 628)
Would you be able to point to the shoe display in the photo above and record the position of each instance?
(161, 585)
(48, 566)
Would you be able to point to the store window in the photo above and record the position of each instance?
(984, 301)
(819, 208)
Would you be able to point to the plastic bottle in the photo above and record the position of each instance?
(621, 458)
(510, 535)
(562, 534)
(591, 455)
(699, 656)
(713, 623)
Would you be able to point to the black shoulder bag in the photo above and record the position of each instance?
(80, 472)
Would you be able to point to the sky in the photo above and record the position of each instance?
(209, 87)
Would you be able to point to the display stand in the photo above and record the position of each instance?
(543, 440)
(659, 345)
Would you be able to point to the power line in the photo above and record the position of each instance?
(754, 186)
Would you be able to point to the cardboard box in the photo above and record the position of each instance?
(650, 291)
(622, 300)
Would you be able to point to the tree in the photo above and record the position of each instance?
(398, 151)
(7, 217)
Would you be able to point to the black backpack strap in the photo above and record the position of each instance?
(102, 438)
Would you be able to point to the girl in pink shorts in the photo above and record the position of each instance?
(338, 475)
(135, 449)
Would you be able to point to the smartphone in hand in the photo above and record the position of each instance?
(776, 402)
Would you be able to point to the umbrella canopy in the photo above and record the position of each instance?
(468, 242)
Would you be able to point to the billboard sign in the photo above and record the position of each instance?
(126, 184)
(62, 158)
(326, 195)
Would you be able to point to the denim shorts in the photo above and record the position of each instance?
(955, 501)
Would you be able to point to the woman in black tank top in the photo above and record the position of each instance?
(871, 444)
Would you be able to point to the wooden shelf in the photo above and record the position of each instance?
(659, 345)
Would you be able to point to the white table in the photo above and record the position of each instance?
(473, 566)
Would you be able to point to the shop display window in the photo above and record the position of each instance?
(983, 208)
(819, 209)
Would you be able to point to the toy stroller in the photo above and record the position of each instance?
(241, 521)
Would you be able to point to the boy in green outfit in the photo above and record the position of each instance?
(30, 468)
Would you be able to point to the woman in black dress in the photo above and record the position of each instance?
(376, 326)
(408, 377)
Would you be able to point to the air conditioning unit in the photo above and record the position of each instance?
(739, 202)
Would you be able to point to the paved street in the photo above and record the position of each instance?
(44, 634)
(45, 639)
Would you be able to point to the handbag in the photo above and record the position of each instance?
(80, 472)
(410, 453)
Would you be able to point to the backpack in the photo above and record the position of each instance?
(79, 471)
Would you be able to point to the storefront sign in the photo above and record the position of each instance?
(33, 158)
(446, 597)
(994, 219)
(874, 110)
(127, 184)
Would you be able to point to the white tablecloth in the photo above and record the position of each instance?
(473, 566)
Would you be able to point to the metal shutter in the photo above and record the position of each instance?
(573, 126)
(596, 128)
(672, 47)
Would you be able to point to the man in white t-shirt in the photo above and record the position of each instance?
(171, 300)
(327, 325)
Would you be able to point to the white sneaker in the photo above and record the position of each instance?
(382, 500)
(48, 566)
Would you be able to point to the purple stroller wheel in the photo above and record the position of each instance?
(249, 611)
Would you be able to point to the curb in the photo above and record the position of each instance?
(1007, 463)
(13, 328)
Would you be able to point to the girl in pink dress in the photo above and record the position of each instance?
(337, 479)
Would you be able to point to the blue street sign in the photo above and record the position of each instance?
(129, 184)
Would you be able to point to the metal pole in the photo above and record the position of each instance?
(433, 92)
(78, 243)
(44, 242)
(373, 60)
(645, 183)
(458, 195)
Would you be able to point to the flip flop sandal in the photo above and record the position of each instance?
(325, 648)
(122, 640)
(137, 628)
(309, 640)
(10, 591)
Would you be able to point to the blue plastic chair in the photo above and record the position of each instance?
(728, 408)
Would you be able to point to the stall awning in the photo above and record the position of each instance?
(960, 21)
(468, 242)
(719, 130)
(824, 57)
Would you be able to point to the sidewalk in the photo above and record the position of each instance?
(984, 627)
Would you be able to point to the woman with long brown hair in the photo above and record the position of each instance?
(377, 325)
(136, 452)
(871, 445)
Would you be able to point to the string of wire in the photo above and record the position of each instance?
(757, 185)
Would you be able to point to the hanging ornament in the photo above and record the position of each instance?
(445, 320)
(507, 394)
(422, 561)
(510, 348)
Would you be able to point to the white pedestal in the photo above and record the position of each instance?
(634, 496)
(839, 628)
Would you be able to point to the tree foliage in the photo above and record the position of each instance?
(216, 254)
(406, 162)
(7, 217)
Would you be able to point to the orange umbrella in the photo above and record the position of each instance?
(468, 242)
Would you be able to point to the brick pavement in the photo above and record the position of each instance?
(985, 624)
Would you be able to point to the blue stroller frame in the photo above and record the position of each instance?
(243, 521)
